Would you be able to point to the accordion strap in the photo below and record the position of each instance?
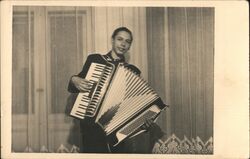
(130, 66)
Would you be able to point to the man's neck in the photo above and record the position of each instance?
(115, 56)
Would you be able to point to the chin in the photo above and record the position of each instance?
(120, 53)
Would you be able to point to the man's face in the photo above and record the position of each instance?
(121, 43)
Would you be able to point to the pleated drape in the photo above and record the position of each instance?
(48, 49)
(52, 43)
(191, 63)
(181, 67)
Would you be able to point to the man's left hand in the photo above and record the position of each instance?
(147, 124)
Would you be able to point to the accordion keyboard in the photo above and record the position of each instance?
(87, 102)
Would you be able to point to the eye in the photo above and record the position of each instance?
(119, 38)
(129, 41)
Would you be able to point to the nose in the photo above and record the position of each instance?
(123, 44)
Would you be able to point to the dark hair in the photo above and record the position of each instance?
(116, 31)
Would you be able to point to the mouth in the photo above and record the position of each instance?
(121, 49)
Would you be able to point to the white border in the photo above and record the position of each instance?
(231, 86)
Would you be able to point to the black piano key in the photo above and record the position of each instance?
(91, 108)
(97, 93)
(101, 82)
(97, 96)
(95, 99)
(92, 105)
(91, 111)
(102, 79)
(94, 102)
(106, 74)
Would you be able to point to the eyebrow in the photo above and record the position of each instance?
(124, 38)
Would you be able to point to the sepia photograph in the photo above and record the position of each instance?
(172, 49)
(121, 80)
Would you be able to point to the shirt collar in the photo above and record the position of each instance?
(110, 58)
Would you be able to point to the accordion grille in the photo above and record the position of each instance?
(127, 95)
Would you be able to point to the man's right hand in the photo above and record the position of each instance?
(81, 84)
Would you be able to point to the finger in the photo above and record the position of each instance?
(87, 85)
(147, 125)
(151, 121)
(143, 126)
(83, 89)
(86, 81)
(148, 121)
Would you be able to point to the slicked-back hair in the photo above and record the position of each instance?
(116, 31)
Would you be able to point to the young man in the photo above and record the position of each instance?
(93, 136)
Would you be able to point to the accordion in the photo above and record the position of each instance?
(120, 100)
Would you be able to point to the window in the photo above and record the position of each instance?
(50, 44)
(22, 61)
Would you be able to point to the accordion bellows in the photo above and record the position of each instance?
(120, 100)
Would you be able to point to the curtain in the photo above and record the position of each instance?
(191, 49)
(181, 60)
(49, 46)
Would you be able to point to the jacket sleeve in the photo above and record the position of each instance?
(82, 74)
(71, 86)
